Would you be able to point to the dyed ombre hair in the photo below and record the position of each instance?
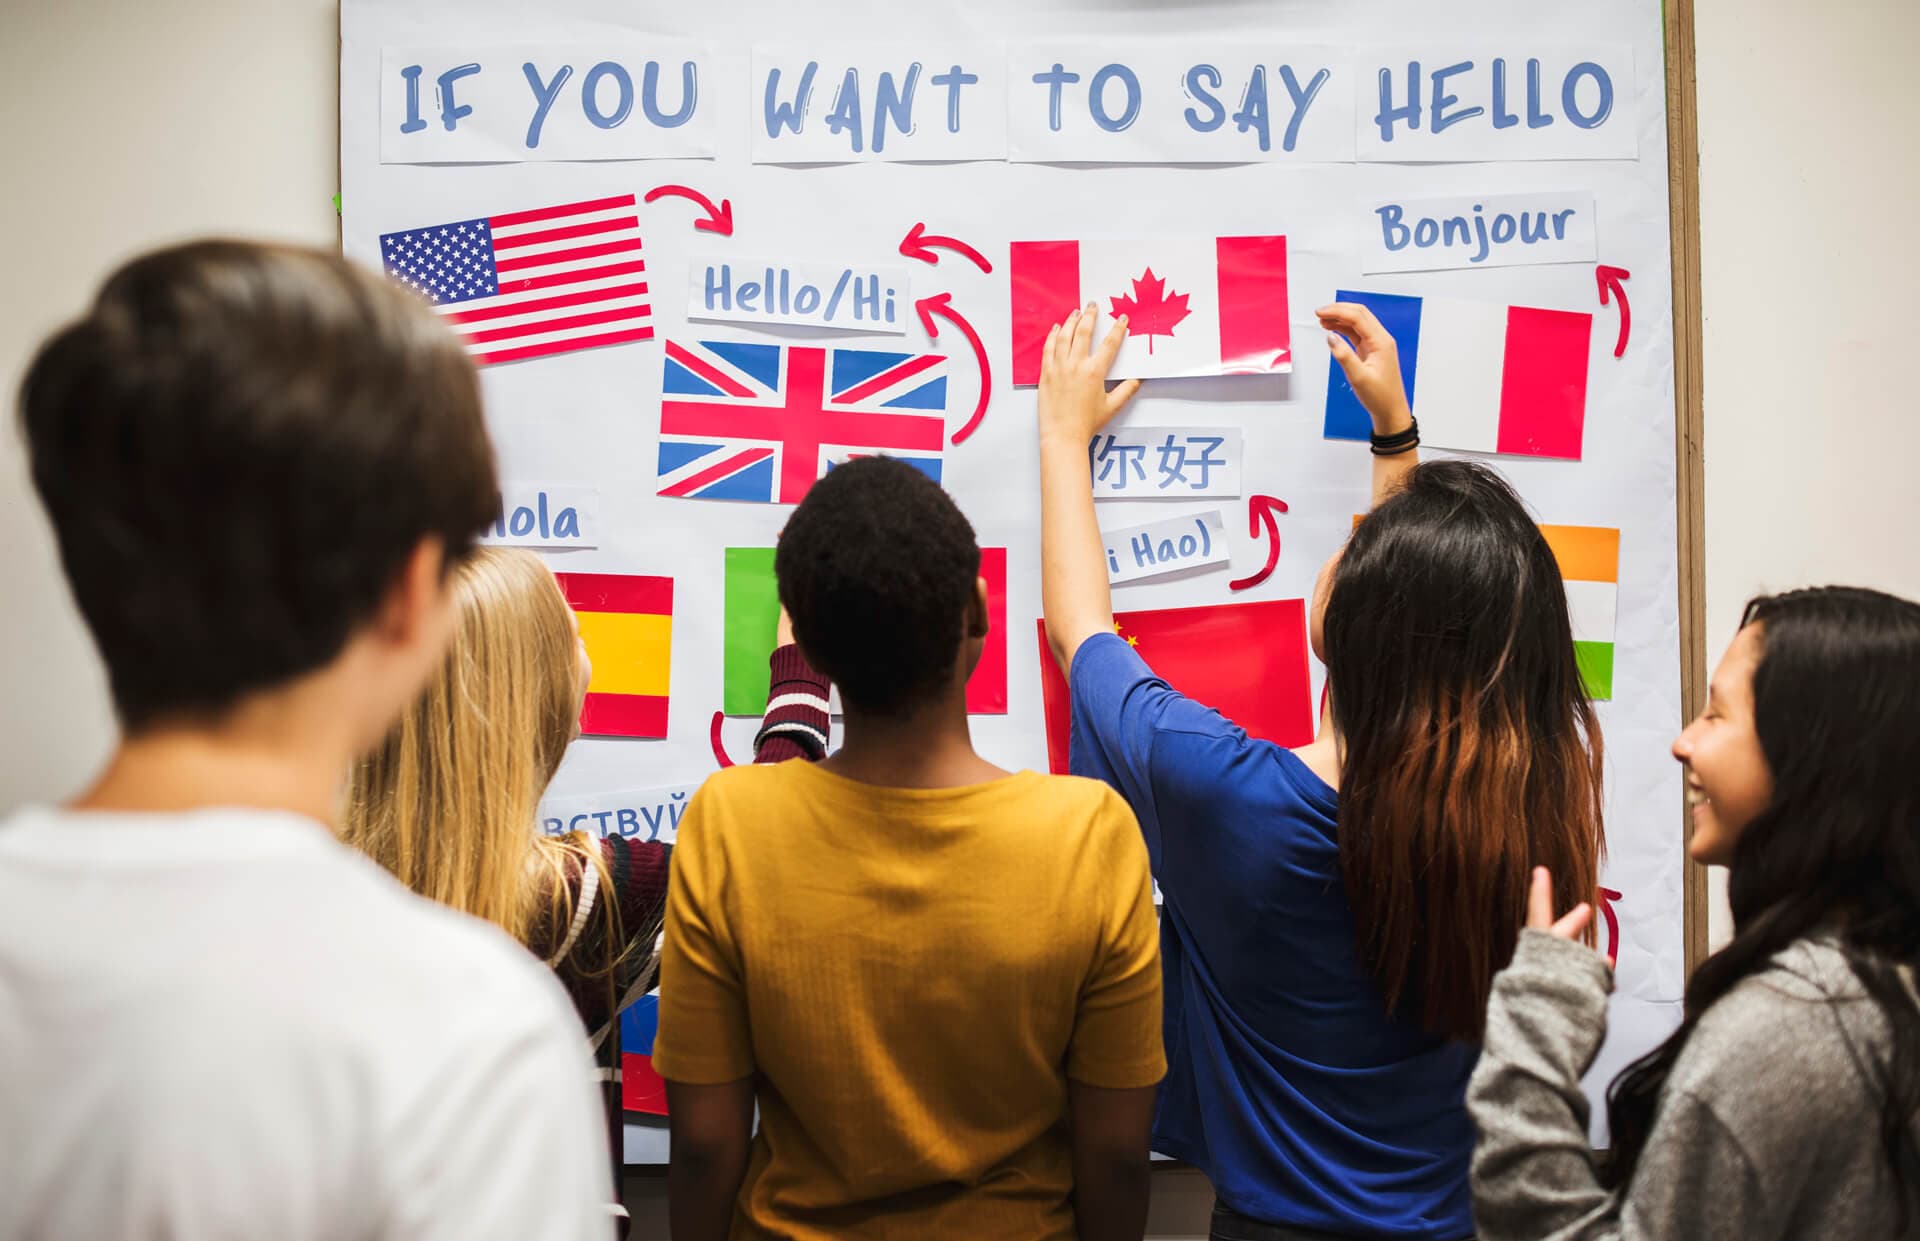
(1470, 749)
(449, 802)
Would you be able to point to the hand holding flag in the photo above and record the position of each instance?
(1367, 353)
(1074, 401)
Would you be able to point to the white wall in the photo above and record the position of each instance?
(1807, 190)
(1806, 185)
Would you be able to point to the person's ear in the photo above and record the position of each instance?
(977, 613)
(414, 603)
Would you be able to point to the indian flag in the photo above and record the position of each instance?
(1589, 559)
(626, 621)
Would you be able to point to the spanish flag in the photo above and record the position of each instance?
(627, 623)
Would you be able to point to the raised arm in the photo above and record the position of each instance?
(1074, 404)
(795, 725)
(1367, 353)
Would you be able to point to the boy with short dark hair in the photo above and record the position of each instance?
(216, 1021)
(940, 981)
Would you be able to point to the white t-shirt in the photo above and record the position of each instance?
(227, 1024)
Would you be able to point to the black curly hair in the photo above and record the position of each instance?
(877, 569)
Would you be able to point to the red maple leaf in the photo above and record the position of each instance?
(1151, 311)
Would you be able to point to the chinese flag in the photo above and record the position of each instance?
(1248, 661)
(627, 623)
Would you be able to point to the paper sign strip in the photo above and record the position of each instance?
(1193, 541)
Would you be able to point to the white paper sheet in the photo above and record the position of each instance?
(1505, 98)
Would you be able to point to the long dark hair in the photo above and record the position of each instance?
(1471, 749)
(1836, 704)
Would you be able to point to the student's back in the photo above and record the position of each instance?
(215, 1021)
(914, 963)
(229, 1022)
(939, 980)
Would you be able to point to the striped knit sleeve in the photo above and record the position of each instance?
(796, 721)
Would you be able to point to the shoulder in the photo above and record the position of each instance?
(1793, 1039)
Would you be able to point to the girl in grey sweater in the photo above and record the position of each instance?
(1787, 1103)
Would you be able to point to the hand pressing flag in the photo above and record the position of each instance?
(1194, 306)
(529, 283)
(1248, 661)
(753, 614)
(1480, 377)
(627, 624)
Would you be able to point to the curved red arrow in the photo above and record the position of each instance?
(920, 244)
(1607, 897)
(719, 219)
(938, 304)
(1610, 281)
(719, 751)
(1261, 511)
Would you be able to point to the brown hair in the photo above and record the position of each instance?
(239, 446)
(1471, 752)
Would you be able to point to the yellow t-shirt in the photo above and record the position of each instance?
(912, 975)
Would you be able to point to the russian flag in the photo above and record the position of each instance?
(1195, 305)
(1481, 377)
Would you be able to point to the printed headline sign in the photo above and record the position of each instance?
(642, 814)
(632, 98)
(1165, 463)
(1255, 98)
(1481, 230)
(550, 515)
(853, 299)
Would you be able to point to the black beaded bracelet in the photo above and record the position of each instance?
(1399, 442)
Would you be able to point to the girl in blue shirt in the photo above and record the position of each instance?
(1335, 914)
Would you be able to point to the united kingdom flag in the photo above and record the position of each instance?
(762, 422)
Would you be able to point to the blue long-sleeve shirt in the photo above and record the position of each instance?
(1289, 1084)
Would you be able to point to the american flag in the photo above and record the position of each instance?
(530, 283)
(762, 422)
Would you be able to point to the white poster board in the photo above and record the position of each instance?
(591, 417)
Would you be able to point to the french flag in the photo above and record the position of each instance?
(1481, 377)
(1194, 305)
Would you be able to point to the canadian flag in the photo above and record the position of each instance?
(1194, 305)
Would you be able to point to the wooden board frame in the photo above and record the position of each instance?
(1683, 198)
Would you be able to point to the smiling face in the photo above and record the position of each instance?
(1728, 781)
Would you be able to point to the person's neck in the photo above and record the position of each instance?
(271, 753)
(1322, 754)
(929, 748)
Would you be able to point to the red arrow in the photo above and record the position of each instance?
(938, 304)
(1609, 279)
(719, 219)
(1607, 897)
(920, 244)
(719, 751)
(1261, 510)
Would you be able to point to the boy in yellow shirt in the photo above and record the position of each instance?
(940, 981)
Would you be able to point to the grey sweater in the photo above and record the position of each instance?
(1769, 1125)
